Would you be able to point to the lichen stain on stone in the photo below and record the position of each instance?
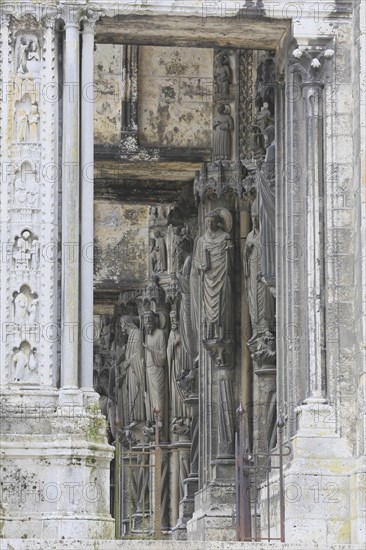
(174, 82)
(168, 92)
(133, 215)
(173, 66)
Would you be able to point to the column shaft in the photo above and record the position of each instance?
(87, 203)
(70, 210)
(314, 235)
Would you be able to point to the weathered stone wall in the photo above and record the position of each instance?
(121, 243)
(175, 96)
(107, 105)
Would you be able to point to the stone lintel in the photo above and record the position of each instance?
(205, 32)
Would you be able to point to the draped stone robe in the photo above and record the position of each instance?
(212, 252)
(135, 376)
(259, 300)
(266, 202)
(155, 372)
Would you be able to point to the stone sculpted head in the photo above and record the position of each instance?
(213, 221)
(150, 322)
(127, 324)
(173, 320)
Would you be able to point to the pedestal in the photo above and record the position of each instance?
(316, 481)
(214, 516)
(54, 468)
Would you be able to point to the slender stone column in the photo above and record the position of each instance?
(70, 207)
(87, 201)
(311, 70)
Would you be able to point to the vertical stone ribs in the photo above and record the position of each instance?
(246, 101)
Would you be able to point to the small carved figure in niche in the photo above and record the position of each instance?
(26, 187)
(161, 253)
(21, 61)
(177, 253)
(266, 76)
(187, 380)
(27, 56)
(222, 75)
(19, 363)
(153, 256)
(264, 117)
(174, 355)
(20, 192)
(32, 310)
(105, 333)
(266, 205)
(213, 262)
(182, 247)
(181, 426)
(33, 50)
(256, 143)
(33, 119)
(134, 367)
(223, 124)
(21, 119)
(21, 303)
(155, 360)
(22, 254)
(263, 349)
(186, 243)
(259, 94)
(153, 214)
(32, 375)
(260, 300)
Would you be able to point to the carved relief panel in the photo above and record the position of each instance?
(27, 54)
(24, 364)
(29, 196)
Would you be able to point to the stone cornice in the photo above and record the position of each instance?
(279, 9)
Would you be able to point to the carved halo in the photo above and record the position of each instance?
(162, 319)
(226, 217)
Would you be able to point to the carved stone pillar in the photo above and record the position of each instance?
(87, 203)
(70, 207)
(311, 70)
(41, 432)
(215, 252)
(318, 451)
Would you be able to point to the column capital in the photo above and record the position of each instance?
(5, 18)
(89, 19)
(310, 65)
(72, 16)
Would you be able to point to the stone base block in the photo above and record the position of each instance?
(214, 516)
(358, 502)
(54, 469)
(316, 484)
